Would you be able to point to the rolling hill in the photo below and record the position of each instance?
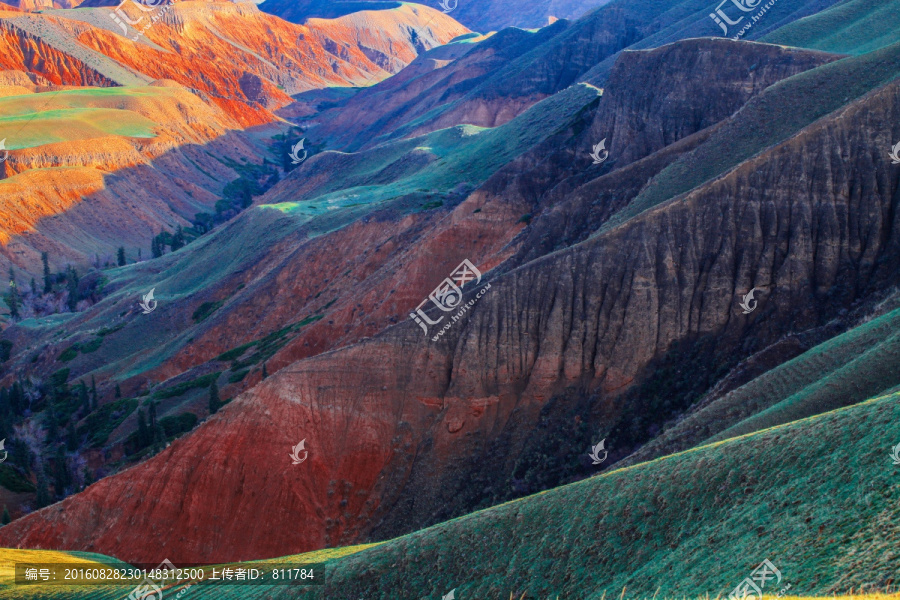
(820, 502)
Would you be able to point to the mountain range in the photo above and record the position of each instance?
(681, 245)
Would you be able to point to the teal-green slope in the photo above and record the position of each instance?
(819, 498)
(853, 27)
(463, 153)
(849, 368)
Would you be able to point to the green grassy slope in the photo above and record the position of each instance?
(780, 112)
(853, 27)
(818, 497)
(874, 370)
(31, 120)
(849, 368)
(177, 276)
(436, 161)
(82, 124)
(683, 20)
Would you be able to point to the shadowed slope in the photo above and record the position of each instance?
(842, 371)
(486, 15)
(494, 81)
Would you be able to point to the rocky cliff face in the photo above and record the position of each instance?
(403, 430)
(644, 117)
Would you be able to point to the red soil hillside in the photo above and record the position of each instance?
(234, 65)
(242, 59)
(52, 178)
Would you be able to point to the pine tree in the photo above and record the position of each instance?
(120, 256)
(71, 437)
(139, 255)
(51, 427)
(17, 398)
(178, 239)
(72, 285)
(156, 246)
(6, 518)
(143, 432)
(43, 495)
(33, 287)
(264, 373)
(62, 479)
(118, 391)
(48, 286)
(88, 477)
(157, 433)
(93, 393)
(21, 400)
(153, 432)
(13, 296)
(83, 398)
(213, 398)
